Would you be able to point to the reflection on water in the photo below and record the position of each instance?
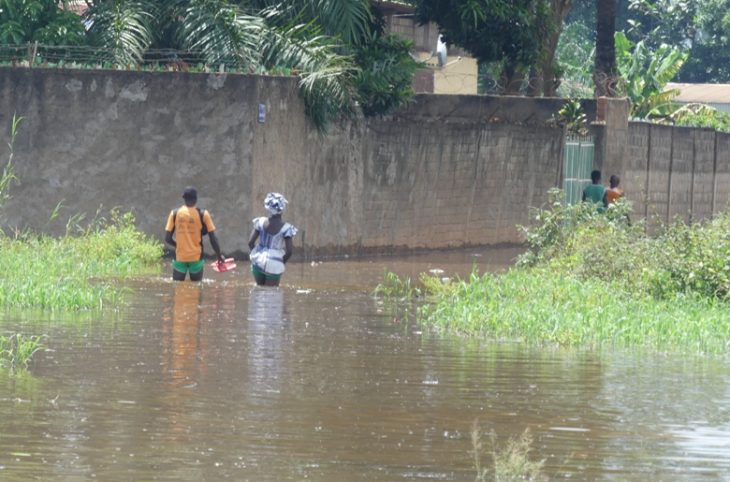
(224, 380)
(267, 339)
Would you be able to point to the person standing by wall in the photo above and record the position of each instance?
(594, 192)
(613, 192)
(189, 224)
(274, 242)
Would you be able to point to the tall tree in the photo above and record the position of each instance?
(520, 37)
(605, 74)
(491, 31)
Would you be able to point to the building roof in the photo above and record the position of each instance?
(705, 93)
(392, 6)
(76, 6)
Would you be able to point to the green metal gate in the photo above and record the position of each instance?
(578, 166)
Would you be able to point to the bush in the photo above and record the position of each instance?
(682, 259)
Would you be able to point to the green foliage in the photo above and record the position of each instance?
(73, 271)
(553, 227)
(646, 73)
(8, 175)
(701, 115)
(546, 306)
(571, 116)
(708, 53)
(394, 287)
(386, 72)
(490, 31)
(574, 54)
(42, 21)
(683, 260)
(595, 280)
(663, 22)
(17, 350)
(125, 27)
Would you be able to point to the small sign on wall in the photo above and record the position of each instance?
(262, 113)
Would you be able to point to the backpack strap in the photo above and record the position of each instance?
(174, 217)
(204, 228)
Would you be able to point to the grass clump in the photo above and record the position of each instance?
(17, 350)
(71, 271)
(591, 279)
(510, 462)
(75, 271)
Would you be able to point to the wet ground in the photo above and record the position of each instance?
(319, 381)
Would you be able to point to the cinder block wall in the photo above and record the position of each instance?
(676, 172)
(447, 171)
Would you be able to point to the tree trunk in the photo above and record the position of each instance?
(559, 10)
(513, 76)
(605, 74)
(543, 79)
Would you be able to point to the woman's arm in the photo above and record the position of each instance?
(289, 249)
(252, 239)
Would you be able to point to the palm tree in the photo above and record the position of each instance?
(605, 75)
(309, 37)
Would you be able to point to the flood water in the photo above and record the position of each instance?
(319, 381)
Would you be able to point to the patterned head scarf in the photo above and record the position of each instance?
(275, 203)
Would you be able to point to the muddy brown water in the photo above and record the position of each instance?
(319, 381)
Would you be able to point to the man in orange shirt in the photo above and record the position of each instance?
(614, 192)
(190, 224)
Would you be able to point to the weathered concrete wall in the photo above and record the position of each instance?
(446, 171)
(675, 172)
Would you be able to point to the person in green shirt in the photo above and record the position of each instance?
(594, 192)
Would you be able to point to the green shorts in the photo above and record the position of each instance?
(185, 266)
(259, 274)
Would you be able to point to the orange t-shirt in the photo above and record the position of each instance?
(188, 232)
(613, 194)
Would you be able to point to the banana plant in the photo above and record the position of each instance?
(645, 75)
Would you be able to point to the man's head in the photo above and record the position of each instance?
(614, 180)
(595, 177)
(190, 195)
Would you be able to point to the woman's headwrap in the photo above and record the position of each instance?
(275, 203)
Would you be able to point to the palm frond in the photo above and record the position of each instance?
(222, 33)
(349, 20)
(326, 77)
(124, 27)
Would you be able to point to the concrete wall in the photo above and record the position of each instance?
(674, 172)
(446, 171)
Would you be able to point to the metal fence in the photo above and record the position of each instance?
(578, 165)
(88, 57)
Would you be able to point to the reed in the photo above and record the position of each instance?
(17, 350)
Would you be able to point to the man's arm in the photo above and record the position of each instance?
(169, 240)
(216, 247)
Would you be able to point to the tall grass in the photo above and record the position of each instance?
(17, 350)
(75, 271)
(540, 306)
(596, 280)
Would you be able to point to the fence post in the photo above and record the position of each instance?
(32, 51)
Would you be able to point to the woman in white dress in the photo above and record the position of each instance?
(274, 238)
